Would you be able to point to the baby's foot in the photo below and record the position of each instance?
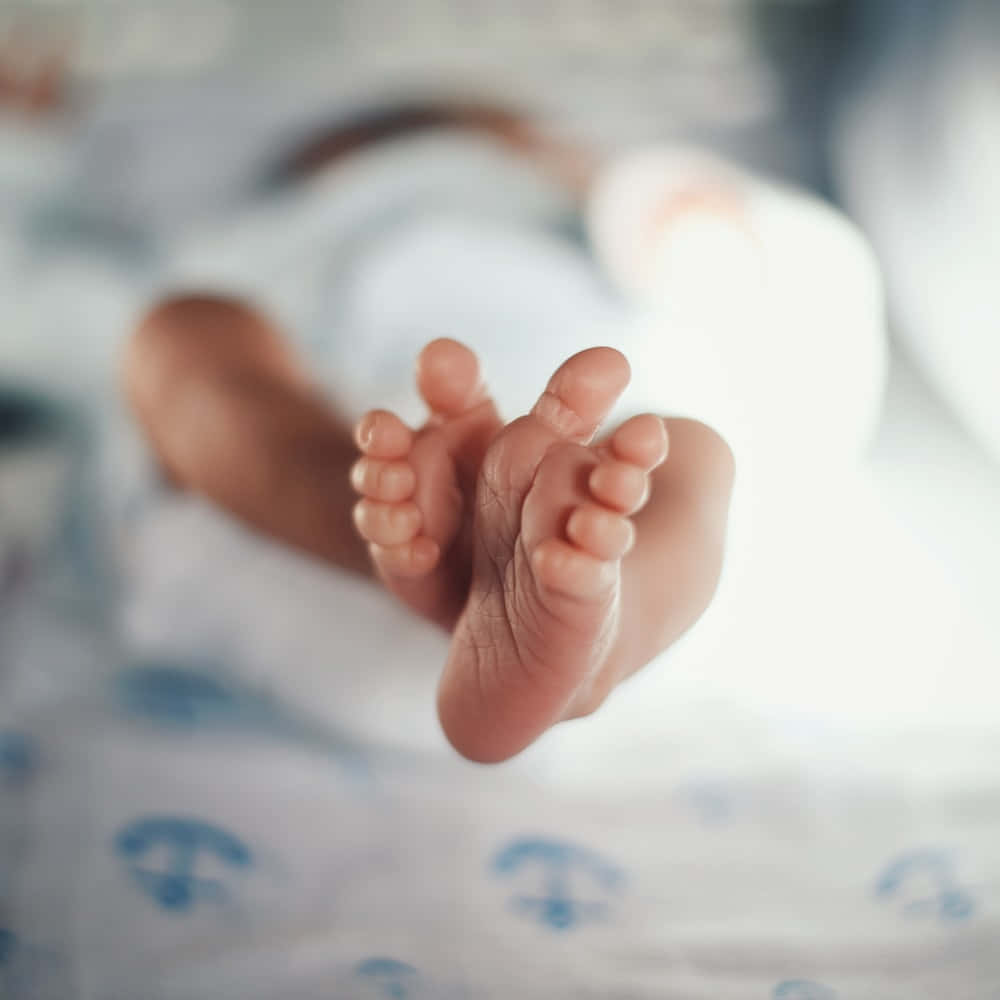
(417, 487)
(512, 537)
(551, 525)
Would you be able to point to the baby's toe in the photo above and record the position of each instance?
(641, 441)
(411, 559)
(602, 533)
(389, 481)
(448, 378)
(582, 392)
(622, 486)
(387, 524)
(381, 434)
(565, 569)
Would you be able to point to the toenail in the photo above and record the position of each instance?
(560, 417)
(365, 431)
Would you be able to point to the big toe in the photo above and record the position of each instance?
(582, 392)
(448, 378)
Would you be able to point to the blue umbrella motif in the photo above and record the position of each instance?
(802, 989)
(392, 979)
(177, 888)
(8, 945)
(559, 865)
(928, 869)
(193, 697)
(183, 697)
(714, 801)
(17, 754)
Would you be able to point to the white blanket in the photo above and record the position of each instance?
(246, 795)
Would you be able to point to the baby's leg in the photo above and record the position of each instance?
(549, 611)
(233, 416)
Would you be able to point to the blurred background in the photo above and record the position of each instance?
(148, 146)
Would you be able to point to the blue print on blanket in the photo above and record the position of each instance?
(926, 885)
(29, 971)
(17, 755)
(553, 869)
(8, 944)
(387, 977)
(802, 989)
(10, 980)
(186, 697)
(175, 887)
(714, 800)
(190, 698)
